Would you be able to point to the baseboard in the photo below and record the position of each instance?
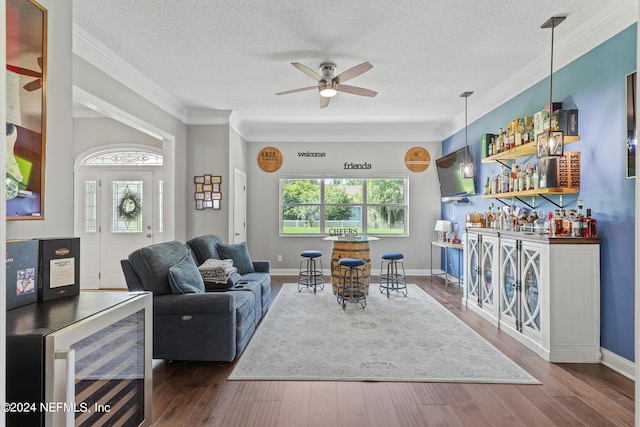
(618, 363)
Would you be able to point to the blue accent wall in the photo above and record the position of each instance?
(595, 85)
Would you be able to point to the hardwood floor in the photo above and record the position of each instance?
(198, 394)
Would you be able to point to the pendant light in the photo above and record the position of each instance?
(466, 167)
(551, 142)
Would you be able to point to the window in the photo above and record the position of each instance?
(320, 206)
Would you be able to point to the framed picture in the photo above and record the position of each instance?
(26, 77)
(207, 194)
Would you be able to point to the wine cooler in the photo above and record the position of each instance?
(83, 360)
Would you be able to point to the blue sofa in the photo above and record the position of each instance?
(215, 325)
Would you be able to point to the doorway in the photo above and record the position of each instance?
(239, 206)
(120, 195)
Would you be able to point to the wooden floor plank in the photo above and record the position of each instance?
(323, 404)
(380, 409)
(294, 411)
(200, 394)
(352, 410)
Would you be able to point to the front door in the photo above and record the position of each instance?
(126, 220)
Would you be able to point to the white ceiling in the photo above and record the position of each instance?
(206, 55)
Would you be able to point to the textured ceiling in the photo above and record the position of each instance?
(235, 55)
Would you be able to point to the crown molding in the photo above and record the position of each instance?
(93, 51)
(203, 116)
(567, 49)
(418, 132)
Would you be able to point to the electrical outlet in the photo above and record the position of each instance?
(279, 258)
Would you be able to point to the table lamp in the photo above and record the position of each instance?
(443, 227)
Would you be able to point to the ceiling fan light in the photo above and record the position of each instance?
(328, 91)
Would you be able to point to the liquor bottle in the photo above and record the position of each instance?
(501, 141)
(492, 179)
(487, 187)
(549, 225)
(566, 223)
(505, 179)
(521, 176)
(577, 222)
(586, 227)
(592, 223)
(557, 223)
(536, 178)
(490, 218)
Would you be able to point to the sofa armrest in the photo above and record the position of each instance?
(207, 303)
(261, 266)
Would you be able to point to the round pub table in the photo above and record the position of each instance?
(350, 247)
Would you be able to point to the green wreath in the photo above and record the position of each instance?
(129, 206)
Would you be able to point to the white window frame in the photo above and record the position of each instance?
(364, 204)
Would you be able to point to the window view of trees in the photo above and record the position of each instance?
(315, 206)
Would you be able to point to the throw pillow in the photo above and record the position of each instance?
(184, 277)
(239, 253)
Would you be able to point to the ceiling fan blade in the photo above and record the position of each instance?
(302, 89)
(355, 90)
(324, 101)
(31, 86)
(352, 72)
(23, 71)
(308, 71)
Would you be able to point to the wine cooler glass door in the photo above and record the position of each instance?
(99, 370)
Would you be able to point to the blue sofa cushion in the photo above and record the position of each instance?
(205, 247)
(185, 278)
(152, 264)
(239, 253)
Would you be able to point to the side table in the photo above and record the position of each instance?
(446, 246)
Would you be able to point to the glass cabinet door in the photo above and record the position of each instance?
(530, 284)
(508, 273)
(486, 284)
(472, 281)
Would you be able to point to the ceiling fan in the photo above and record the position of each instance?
(329, 85)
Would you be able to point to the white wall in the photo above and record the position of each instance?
(385, 159)
(93, 132)
(208, 153)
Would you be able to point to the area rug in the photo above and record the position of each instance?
(307, 336)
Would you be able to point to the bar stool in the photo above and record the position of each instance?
(351, 286)
(309, 275)
(393, 280)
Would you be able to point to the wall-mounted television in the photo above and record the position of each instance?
(452, 184)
